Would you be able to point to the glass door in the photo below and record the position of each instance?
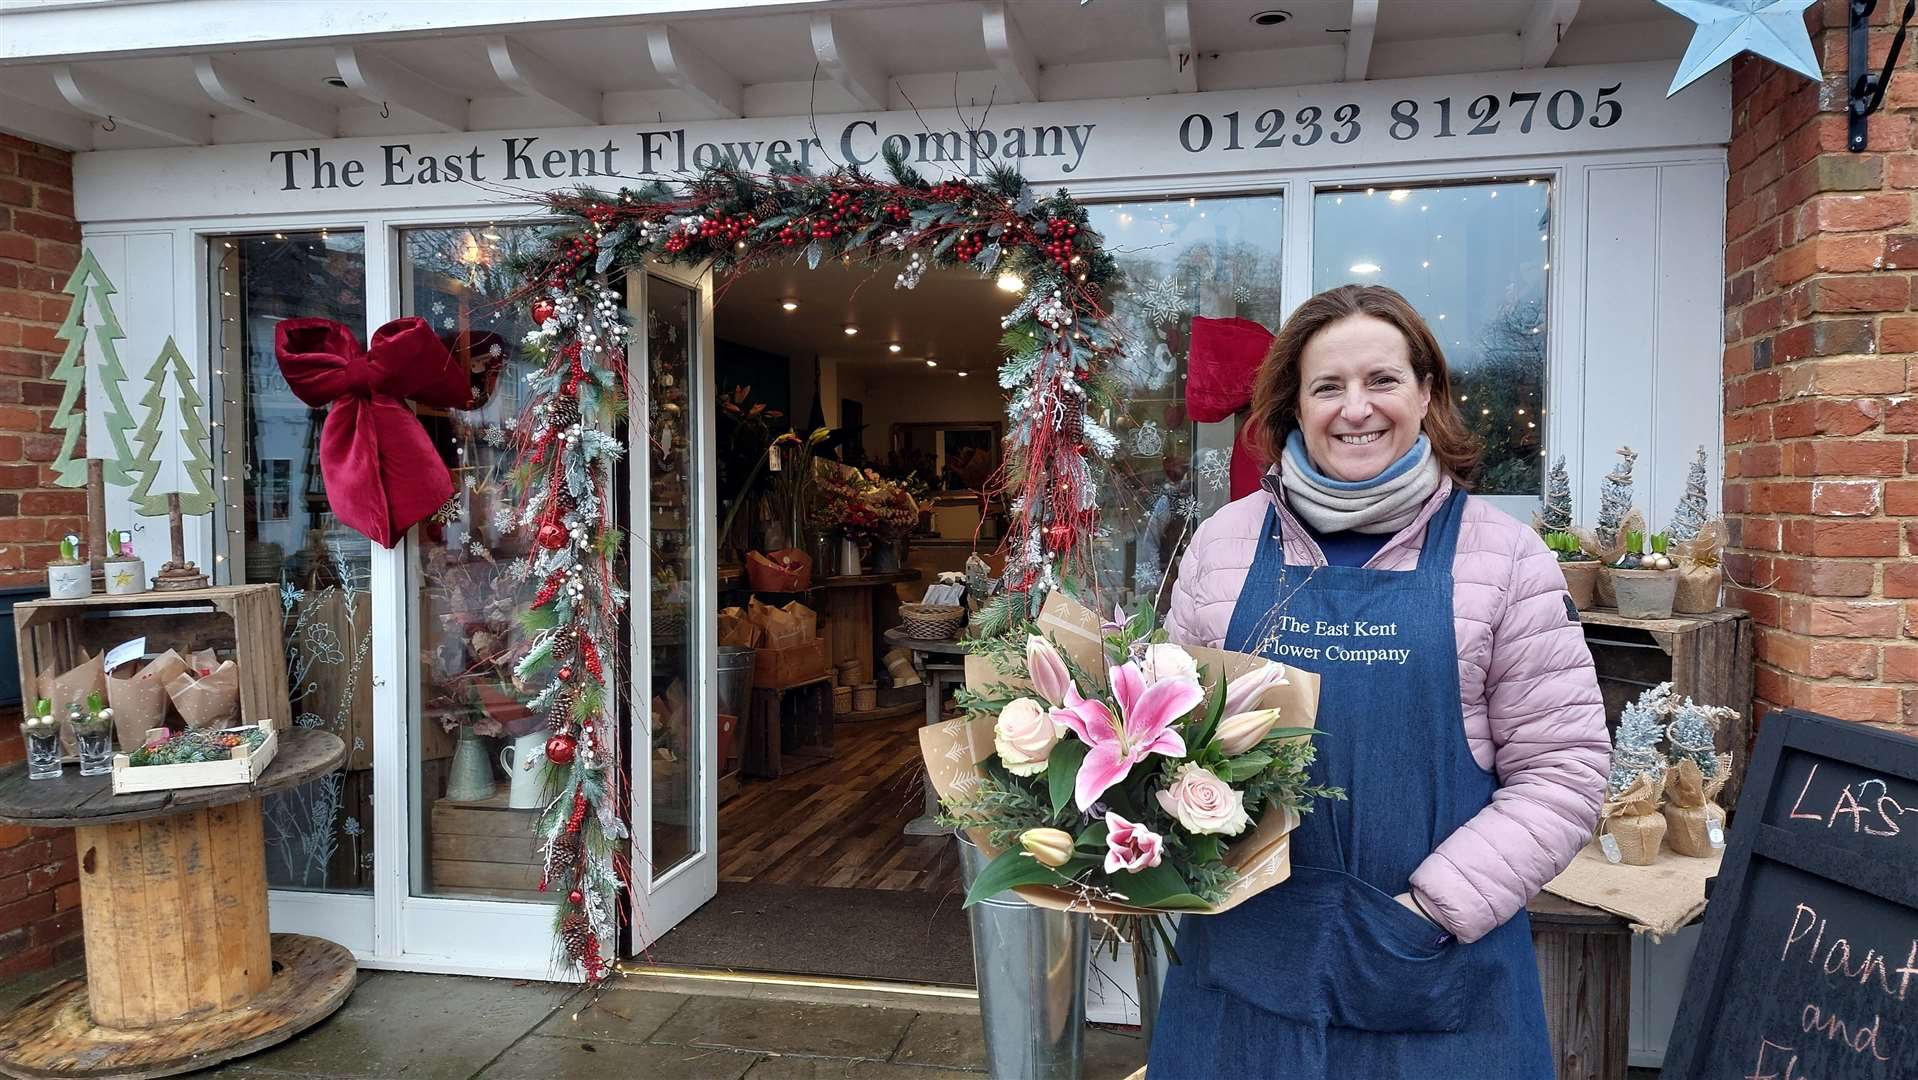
(672, 562)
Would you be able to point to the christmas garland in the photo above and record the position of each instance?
(1059, 350)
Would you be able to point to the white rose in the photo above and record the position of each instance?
(1203, 803)
(1024, 737)
(1167, 662)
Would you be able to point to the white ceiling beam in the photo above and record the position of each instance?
(45, 126)
(1010, 54)
(1544, 27)
(694, 73)
(109, 100)
(855, 69)
(531, 75)
(240, 91)
(1178, 44)
(1358, 40)
(383, 82)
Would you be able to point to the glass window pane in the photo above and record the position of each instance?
(275, 510)
(1473, 259)
(1179, 257)
(668, 496)
(473, 797)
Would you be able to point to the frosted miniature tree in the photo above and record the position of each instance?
(1557, 515)
(1635, 745)
(1615, 497)
(196, 466)
(71, 372)
(1688, 517)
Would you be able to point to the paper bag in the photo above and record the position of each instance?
(210, 701)
(804, 618)
(1689, 810)
(779, 627)
(139, 698)
(1632, 820)
(70, 687)
(737, 630)
(955, 753)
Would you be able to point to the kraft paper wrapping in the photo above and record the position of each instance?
(1634, 821)
(209, 701)
(1659, 899)
(955, 753)
(139, 700)
(1689, 810)
(71, 687)
(1699, 572)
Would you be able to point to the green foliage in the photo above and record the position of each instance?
(1565, 547)
(1003, 807)
(197, 746)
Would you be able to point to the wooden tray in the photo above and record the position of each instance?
(244, 767)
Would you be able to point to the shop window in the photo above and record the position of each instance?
(1473, 259)
(476, 784)
(280, 530)
(1179, 257)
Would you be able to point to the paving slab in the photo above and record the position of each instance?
(793, 1068)
(539, 1057)
(786, 1027)
(404, 1026)
(957, 1042)
(626, 1016)
(1113, 1054)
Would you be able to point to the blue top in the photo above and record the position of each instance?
(1347, 547)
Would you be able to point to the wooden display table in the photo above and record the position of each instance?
(1585, 969)
(182, 972)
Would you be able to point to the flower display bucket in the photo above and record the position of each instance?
(1031, 968)
(470, 778)
(1645, 594)
(849, 560)
(1581, 580)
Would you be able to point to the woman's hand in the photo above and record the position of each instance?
(1406, 901)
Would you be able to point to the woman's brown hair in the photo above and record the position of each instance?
(1275, 392)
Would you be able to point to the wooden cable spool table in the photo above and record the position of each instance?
(182, 972)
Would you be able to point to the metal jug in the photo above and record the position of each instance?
(470, 777)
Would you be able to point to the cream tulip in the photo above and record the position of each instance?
(1052, 847)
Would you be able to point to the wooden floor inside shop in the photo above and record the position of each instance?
(841, 824)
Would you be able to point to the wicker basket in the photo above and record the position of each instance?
(841, 700)
(932, 622)
(865, 698)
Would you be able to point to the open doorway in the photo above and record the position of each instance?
(828, 863)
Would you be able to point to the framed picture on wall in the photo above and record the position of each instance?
(275, 488)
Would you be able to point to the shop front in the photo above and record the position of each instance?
(1561, 226)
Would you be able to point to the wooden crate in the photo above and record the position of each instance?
(485, 848)
(1707, 658)
(790, 666)
(243, 766)
(241, 622)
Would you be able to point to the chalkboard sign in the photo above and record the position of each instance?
(1807, 968)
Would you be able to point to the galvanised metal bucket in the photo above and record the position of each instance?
(1031, 966)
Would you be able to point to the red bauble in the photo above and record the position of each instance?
(566, 674)
(576, 898)
(542, 311)
(552, 536)
(559, 749)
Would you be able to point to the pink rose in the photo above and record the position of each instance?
(1166, 661)
(1203, 803)
(1024, 737)
(1130, 846)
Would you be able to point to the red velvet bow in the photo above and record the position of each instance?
(1224, 359)
(381, 471)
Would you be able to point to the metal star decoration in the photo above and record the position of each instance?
(1773, 29)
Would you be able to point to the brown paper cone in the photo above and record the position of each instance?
(139, 703)
(71, 687)
(955, 752)
(210, 702)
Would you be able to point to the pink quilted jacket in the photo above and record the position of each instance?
(1531, 703)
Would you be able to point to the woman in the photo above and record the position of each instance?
(1458, 710)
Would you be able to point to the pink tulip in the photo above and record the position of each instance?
(1144, 726)
(1131, 846)
(1048, 670)
(1242, 692)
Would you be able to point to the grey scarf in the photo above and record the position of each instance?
(1384, 504)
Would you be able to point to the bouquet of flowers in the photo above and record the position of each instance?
(1106, 769)
(893, 505)
(842, 502)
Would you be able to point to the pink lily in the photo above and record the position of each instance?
(1048, 670)
(1144, 726)
(1131, 846)
(1242, 692)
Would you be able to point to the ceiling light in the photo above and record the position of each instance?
(851, 330)
(789, 305)
(962, 374)
(893, 348)
(1400, 195)
(1365, 268)
(1270, 18)
(1011, 282)
(932, 363)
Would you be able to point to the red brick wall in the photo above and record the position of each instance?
(39, 246)
(1821, 425)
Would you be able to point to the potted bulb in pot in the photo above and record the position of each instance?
(1579, 568)
(1645, 582)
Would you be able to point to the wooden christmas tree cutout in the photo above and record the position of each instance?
(196, 464)
(71, 372)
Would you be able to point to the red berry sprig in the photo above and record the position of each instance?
(969, 244)
(1060, 234)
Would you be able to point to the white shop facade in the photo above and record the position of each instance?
(1562, 227)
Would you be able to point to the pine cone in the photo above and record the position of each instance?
(564, 859)
(577, 933)
(560, 714)
(562, 412)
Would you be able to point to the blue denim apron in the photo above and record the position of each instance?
(1326, 975)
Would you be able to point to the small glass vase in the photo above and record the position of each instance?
(96, 752)
(43, 756)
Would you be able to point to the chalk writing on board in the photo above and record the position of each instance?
(1871, 967)
(1863, 1040)
(1867, 807)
